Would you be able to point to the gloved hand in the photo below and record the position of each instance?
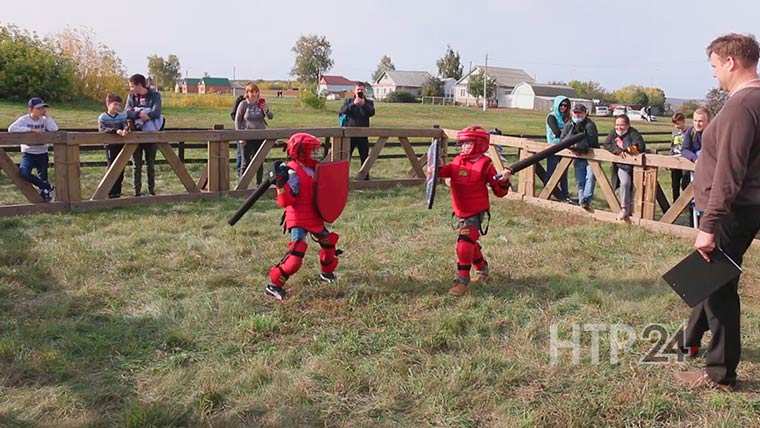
(279, 173)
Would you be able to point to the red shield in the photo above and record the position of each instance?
(332, 189)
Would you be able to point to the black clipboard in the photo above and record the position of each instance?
(695, 279)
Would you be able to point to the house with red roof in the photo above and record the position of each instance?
(335, 85)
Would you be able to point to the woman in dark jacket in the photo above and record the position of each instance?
(625, 140)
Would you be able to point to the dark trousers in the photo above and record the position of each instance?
(31, 162)
(150, 160)
(679, 179)
(551, 164)
(245, 153)
(361, 143)
(112, 151)
(720, 313)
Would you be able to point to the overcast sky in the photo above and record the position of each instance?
(653, 43)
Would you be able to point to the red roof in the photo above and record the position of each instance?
(336, 80)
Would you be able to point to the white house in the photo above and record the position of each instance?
(506, 80)
(400, 81)
(334, 85)
(540, 97)
(449, 87)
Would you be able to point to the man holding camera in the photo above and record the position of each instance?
(358, 110)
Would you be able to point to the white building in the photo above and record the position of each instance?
(540, 97)
(506, 80)
(449, 87)
(400, 81)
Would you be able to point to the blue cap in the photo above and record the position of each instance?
(36, 102)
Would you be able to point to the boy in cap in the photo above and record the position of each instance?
(35, 157)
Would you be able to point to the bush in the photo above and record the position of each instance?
(400, 97)
(31, 66)
(308, 98)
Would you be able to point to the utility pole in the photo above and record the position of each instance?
(233, 72)
(485, 85)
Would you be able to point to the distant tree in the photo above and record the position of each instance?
(165, 72)
(32, 66)
(475, 85)
(99, 70)
(312, 58)
(632, 95)
(590, 90)
(384, 65)
(689, 107)
(433, 87)
(715, 99)
(656, 98)
(450, 65)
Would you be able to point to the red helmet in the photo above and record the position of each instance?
(479, 137)
(301, 145)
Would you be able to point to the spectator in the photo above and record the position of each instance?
(678, 180)
(555, 123)
(35, 157)
(113, 121)
(144, 111)
(692, 137)
(358, 110)
(584, 176)
(252, 113)
(623, 141)
(692, 145)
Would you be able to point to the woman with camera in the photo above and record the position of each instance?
(252, 113)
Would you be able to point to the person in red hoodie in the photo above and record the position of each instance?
(471, 172)
(296, 184)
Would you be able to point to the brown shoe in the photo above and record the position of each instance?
(699, 379)
(460, 287)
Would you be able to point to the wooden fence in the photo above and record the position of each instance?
(652, 208)
(214, 180)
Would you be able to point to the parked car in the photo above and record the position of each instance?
(619, 110)
(635, 115)
(602, 111)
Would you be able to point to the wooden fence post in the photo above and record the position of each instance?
(340, 148)
(218, 164)
(66, 159)
(526, 185)
(650, 193)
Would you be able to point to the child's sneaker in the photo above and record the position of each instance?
(460, 287)
(46, 195)
(276, 292)
(481, 276)
(327, 277)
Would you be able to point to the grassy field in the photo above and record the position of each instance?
(155, 316)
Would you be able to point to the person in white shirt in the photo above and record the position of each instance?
(35, 157)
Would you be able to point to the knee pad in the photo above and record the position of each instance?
(289, 264)
(467, 244)
(328, 255)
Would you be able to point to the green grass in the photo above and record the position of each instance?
(155, 316)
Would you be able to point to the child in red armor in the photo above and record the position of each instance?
(296, 184)
(470, 173)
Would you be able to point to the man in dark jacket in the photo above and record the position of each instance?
(144, 110)
(727, 189)
(584, 176)
(358, 110)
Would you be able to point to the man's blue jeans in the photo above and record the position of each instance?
(585, 181)
(561, 190)
(39, 162)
